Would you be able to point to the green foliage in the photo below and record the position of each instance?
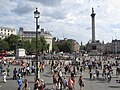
(13, 42)
(55, 47)
(4, 45)
(33, 45)
(66, 46)
(27, 45)
(55, 44)
(42, 44)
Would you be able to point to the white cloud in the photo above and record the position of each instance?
(71, 17)
(50, 3)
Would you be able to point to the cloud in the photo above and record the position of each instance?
(22, 9)
(54, 13)
(71, 17)
(48, 2)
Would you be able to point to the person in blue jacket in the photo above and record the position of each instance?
(19, 81)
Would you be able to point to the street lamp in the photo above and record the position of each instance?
(36, 16)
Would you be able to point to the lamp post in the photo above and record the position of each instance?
(36, 16)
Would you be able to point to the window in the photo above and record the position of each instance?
(8, 30)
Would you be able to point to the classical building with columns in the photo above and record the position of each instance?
(28, 35)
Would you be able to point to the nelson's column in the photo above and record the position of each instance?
(94, 46)
(93, 26)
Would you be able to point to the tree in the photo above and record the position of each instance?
(66, 46)
(12, 41)
(55, 47)
(33, 45)
(42, 44)
(4, 45)
(27, 45)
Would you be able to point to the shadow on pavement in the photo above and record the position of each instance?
(101, 82)
(47, 75)
(47, 89)
(49, 83)
(9, 78)
(1, 82)
(86, 79)
(100, 79)
(114, 77)
(31, 82)
(114, 86)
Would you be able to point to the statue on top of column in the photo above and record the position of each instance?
(92, 10)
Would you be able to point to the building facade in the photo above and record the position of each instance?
(5, 32)
(108, 48)
(75, 45)
(115, 46)
(28, 35)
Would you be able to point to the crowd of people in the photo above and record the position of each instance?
(63, 74)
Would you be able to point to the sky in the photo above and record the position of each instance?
(64, 18)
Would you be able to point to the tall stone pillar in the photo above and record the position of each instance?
(93, 25)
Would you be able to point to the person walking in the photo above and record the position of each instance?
(81, 83)
(58, 87)
(90, 73)
(97, 73)
(70, 84)
(55, 80)
(37, 84)
(8, 70)
(65, 82)
(25, 85)
(14, 74)
(4, 76)
(42, 85)
(19, 81)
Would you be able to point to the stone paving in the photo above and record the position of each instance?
(47, 76)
